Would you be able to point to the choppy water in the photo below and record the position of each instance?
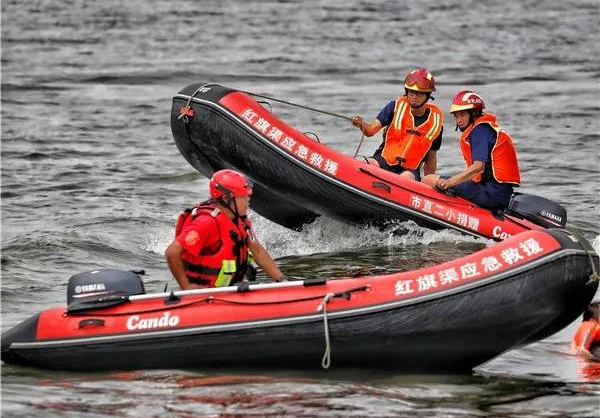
(91, 177)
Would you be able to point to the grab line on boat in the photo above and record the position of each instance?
(211, 299)
(326, 360)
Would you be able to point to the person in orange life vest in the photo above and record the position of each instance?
(213, 241)
(413, 132)
(489, 153)
(588, 332)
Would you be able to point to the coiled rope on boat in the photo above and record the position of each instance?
(326, 360)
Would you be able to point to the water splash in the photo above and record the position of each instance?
(326, 236)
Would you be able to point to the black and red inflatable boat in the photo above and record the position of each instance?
(448, 317)
(297, 179)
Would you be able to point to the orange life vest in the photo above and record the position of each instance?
(407, 144)
(587, 333)
(504, 164)
(225, 265)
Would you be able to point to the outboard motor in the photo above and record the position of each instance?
(538, 210)
(102, 288)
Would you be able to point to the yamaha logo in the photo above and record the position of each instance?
(93, 287)
(165, 321)
(551, 216)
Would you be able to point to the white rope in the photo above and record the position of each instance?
(326, 361)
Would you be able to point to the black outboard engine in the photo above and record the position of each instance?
(538, 210)
(102, 288)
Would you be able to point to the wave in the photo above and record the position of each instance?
(329, 236)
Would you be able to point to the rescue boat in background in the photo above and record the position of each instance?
(297, 179)
(443, 318)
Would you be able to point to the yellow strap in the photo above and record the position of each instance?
(228, 269)
(251, 259)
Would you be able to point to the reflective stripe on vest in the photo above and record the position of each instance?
(504, 164)
(406, 143)
(228, 269)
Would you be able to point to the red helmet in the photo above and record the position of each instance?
(465, 100)
(420, 80)
(230, 184)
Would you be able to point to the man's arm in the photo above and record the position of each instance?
(369, 129)
(173, 256)
(583, 338)
(264, 260)
(476, 168)
(482, 138)
(430, 163)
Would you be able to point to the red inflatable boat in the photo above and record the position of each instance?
(444, 318)
(297, 178)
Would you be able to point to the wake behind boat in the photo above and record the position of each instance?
(448, 317)
(297, 179)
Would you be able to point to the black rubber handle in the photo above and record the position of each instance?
(380, 185)
(91, 322)
(314, 282)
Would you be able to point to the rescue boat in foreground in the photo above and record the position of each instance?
(449, 317)
(297, 178)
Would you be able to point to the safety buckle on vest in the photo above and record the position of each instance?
(172, 299)
(185, 112)
(413, 132)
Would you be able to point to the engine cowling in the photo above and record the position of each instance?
(538, 210)
(102, 288)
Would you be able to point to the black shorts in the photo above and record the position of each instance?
(490, 195)
(397, 169)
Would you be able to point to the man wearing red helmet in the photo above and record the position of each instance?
(213, 240)
(490, 156)
(414, 129)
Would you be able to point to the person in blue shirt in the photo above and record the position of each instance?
(490, 155)
(413, 129)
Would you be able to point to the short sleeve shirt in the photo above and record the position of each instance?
(203, 233)
(199, 234)
(482, 138)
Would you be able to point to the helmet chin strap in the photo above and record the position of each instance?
(226, 199)
(236, 212)
(227, 203)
